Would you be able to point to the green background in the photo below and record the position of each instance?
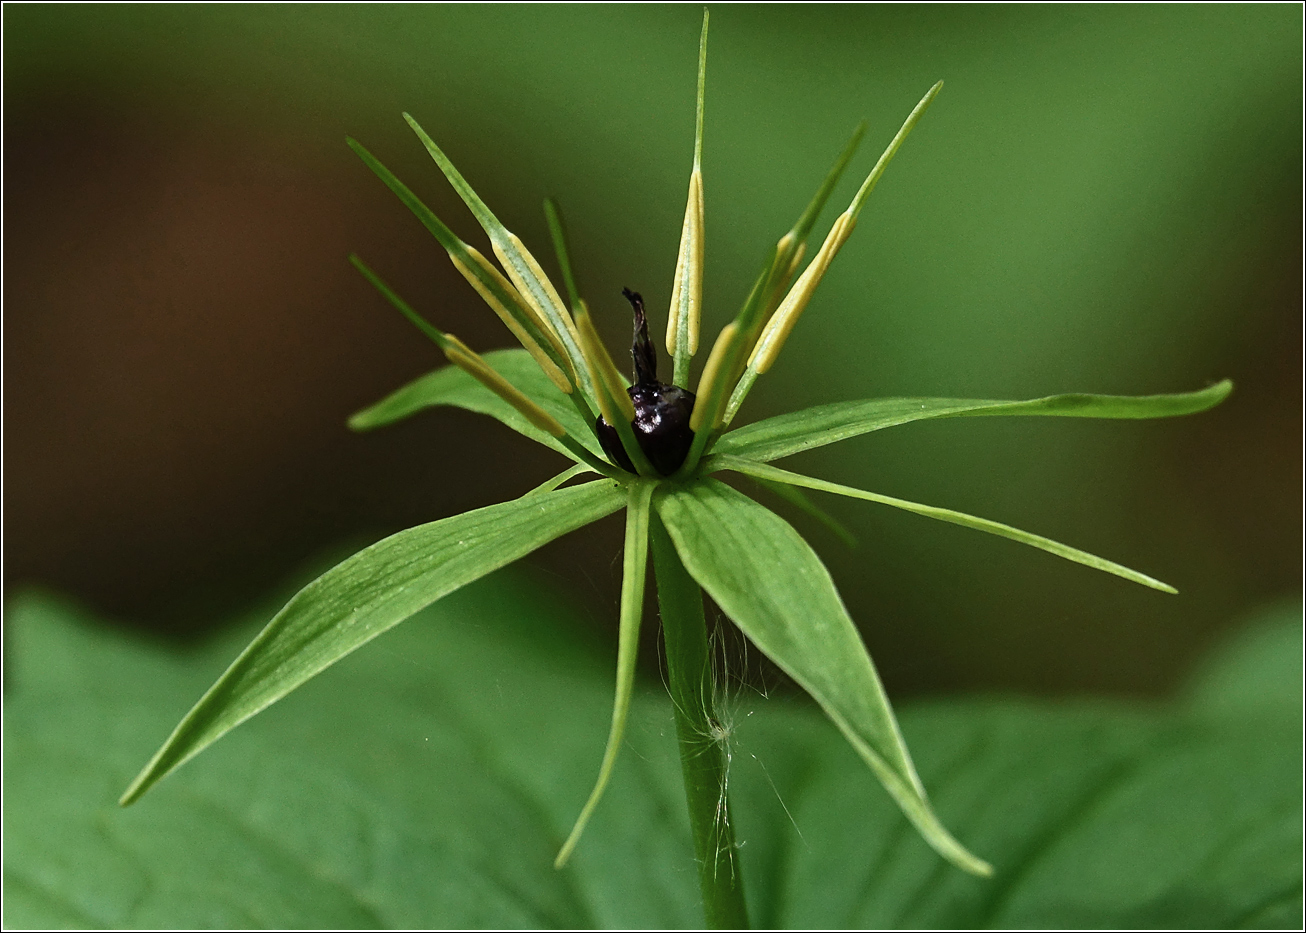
(1101, 199)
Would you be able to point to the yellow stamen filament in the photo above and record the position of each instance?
(551, 369)
(713, 374)
(614, 401)
(786, 316)
(471, 362)
(687, 291)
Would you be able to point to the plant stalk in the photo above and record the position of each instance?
(702, 755)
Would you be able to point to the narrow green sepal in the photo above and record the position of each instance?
(765, 471)
(802, 229)
(800, 500)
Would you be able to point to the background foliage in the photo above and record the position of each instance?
(428, 781)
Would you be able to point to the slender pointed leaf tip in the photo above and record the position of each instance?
(687, 285)
(788, 254)
(534, 334)
(782, 322)
(558, 233)
(522, 268)
(864, 192)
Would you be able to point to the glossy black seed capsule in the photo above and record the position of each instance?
(662, 411)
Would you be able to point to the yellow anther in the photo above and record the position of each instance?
(713, 374)
(786, 316)
(471, 362)
(687, 289)
(550, 368)
(614, 402)
(785, 243)
(513, 266)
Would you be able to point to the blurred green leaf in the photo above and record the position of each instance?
(1259, 673)
(789, 434)
(374, 590)
(429, 780)
(450, 385)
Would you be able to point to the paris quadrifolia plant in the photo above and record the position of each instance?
(656, 449)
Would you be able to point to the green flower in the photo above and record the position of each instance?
(703, 533)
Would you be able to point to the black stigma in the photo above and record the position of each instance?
(662, 411)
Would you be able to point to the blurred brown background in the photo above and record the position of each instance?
(1101, 200)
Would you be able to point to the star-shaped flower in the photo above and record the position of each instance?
(656, 449)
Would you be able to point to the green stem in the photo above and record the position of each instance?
(702, 756)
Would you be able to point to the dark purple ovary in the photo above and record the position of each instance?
(662, 411)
